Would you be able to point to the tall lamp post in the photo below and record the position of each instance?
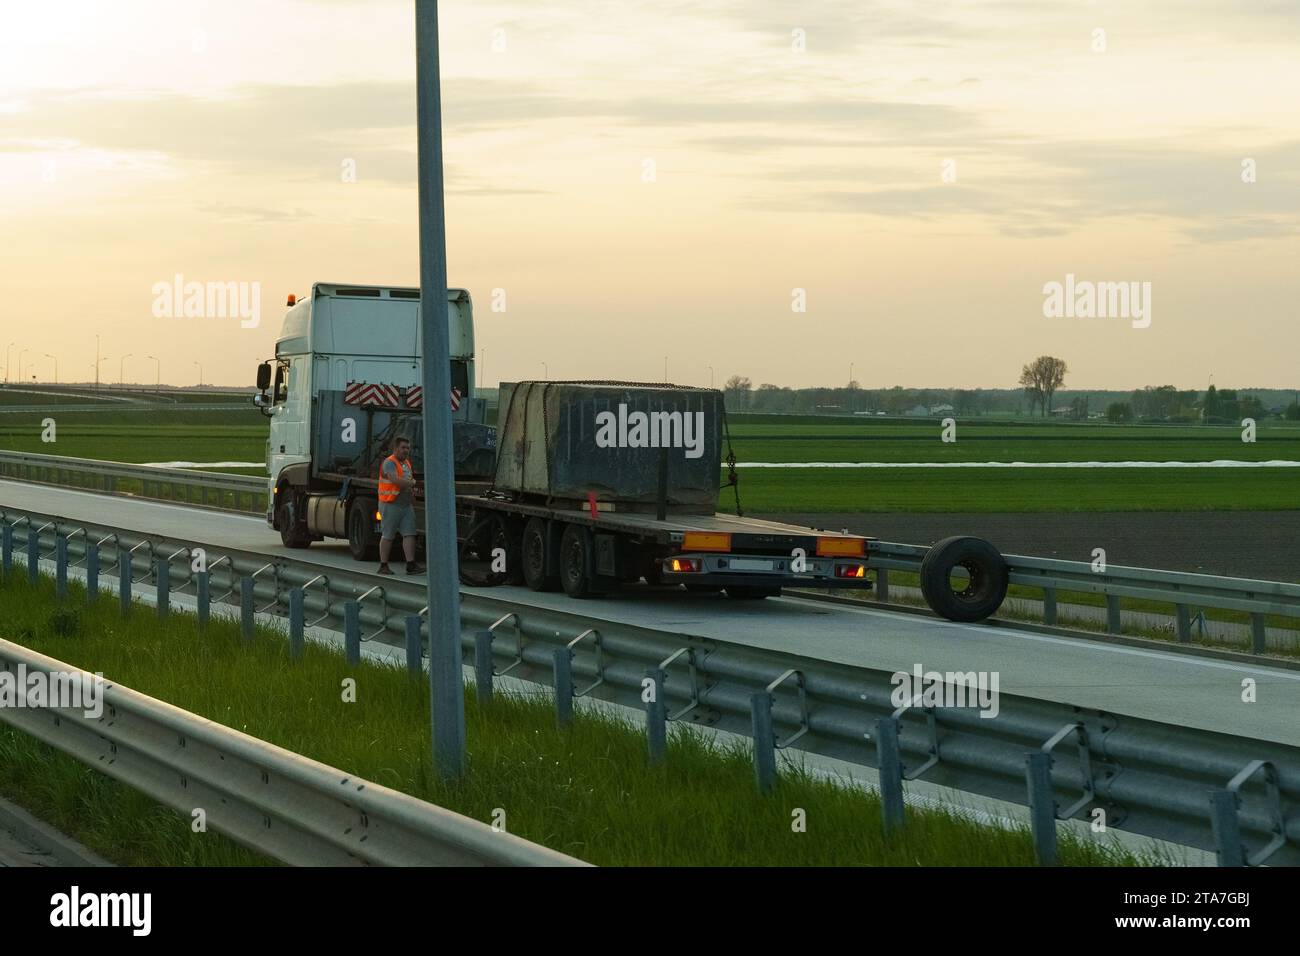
(157, 383)
(56, 366)
(121, 367)
(200, 365)
(7, 348)
(446, 684)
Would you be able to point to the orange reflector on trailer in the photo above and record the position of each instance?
(685, 564)
(706, 541)
(841, 547)
(378, 516)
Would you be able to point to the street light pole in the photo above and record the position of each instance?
(710, 376)
(97, 361)
(7, 348)
(157, 372)
(56, 367)
(200, 365)
(446, 684)
(121, 367)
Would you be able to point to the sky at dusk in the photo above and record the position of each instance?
(773, 189)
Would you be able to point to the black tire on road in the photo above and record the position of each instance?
(362, 539)
(983, 593)
(578, 563)
(532, 557)
(293, 532)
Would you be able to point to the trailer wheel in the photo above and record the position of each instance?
(533, 557)
(362, 540)
(980, 595)
(504, 538)
(577, 563)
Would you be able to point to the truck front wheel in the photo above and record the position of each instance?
(970, 597)
(289, 519)
(362, 540)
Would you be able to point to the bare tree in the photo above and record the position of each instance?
(1041, 378)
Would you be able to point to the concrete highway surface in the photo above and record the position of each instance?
(1172, 687)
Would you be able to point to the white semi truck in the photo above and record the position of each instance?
(595, 484)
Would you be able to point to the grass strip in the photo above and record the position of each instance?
(586, 790)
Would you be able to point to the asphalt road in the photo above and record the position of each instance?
(1242, 544)
(1158, 685)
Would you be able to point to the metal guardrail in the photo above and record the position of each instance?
(274, 801)
(1175, 783)
(1186, 593)
(244, 493)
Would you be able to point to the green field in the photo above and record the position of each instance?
(174, 434)
(586, 790)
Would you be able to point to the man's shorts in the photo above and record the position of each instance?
(395, 519)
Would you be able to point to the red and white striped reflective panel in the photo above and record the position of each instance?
(368, 393)
(415, 397)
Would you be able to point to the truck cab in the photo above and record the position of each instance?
(346, 372)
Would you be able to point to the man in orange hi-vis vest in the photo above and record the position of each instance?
(397, 507)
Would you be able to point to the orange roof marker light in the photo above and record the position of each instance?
(293, 299)
(706, 541)
(841, 547)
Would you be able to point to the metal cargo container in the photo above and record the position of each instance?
(564, 440)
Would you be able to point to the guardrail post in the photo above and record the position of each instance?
(33, 556)
(1113, 625)
(203, 587)
(483, 666)
(123, 580)
(352, 631)
(1049, 606)
(1184, 616)
(656, 716)
(1228, 850)
(246, 608)
(563, 667)
(882, 584)
(890, 765)
(760, 708)
(297, 617)
(7, 548)
(414, 646)
(164, 575)
(92, 572)
(1258, 643)
(1042, 806)
(60, 566)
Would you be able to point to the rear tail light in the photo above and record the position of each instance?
(378, 516)
(850, 570)
(685, 564)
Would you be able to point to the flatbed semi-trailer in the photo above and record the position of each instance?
(590, 485)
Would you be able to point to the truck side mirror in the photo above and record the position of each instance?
(264, 376)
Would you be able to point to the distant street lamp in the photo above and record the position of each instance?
(157, 370)
(7, 348)
(121, 368)
(710, 376)
(200, 365)
(56, 367)
(546, 373)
